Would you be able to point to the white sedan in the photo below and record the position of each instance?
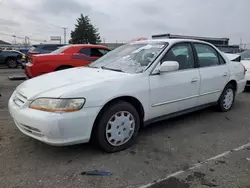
(245, 60)
(134, 85)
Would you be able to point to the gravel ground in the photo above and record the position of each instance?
(162, 149)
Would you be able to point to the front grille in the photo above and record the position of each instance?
(19, 99)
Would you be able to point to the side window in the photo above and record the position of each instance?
(95, 52)
(207, 56)
(104, 51)
(85, 51)
(183, 54)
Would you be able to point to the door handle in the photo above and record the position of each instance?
(194, 80)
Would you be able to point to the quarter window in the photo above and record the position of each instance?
(183, 54)
(103, 51)
(207, 56)
(222, 61)
(95, 52)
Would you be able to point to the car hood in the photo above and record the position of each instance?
(58, 83)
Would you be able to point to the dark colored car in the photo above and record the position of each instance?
(43, 48)
(11, 58)
(24, 51)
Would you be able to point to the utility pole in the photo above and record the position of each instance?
(241, 43)
(65, 33)
(14, 37)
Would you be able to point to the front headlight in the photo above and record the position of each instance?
(57, 105)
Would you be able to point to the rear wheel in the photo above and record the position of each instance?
(11, 63)
(117, 127)
(227, 97)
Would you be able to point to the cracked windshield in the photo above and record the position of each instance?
(131, 58)
(124, 94)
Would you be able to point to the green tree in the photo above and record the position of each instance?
(84, 32)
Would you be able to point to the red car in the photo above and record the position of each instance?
(63, 58)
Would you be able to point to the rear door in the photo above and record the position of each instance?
(214, 73)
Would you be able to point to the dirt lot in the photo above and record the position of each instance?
(162, 149)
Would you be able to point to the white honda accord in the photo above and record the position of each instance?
(245, 60)
(134, 85)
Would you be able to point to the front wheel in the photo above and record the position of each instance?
(118, 126)
(12, 63)
(227, 97)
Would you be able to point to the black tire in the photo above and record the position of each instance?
(222, 100)
(101, 124)
(11, 63)
(247, 89)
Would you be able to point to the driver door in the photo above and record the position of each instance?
(178, 90)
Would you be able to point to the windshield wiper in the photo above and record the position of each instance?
(106, 68)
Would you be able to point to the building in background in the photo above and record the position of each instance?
(221, 43)
(4, 43)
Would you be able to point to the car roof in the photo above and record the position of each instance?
(49, 44)
(87, 45)
(170, 41)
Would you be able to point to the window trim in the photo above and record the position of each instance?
(179, 43)
(217, 52)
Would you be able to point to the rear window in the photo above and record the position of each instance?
(32, 48)
(60, 50)
(50, 47)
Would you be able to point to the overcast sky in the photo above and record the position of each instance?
(120, 20)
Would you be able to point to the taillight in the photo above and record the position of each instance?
(245, 70)
(31, 55)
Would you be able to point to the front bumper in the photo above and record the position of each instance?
(57, 129)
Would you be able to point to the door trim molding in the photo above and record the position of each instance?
(209, 93)
(173, 101)
(176, 114)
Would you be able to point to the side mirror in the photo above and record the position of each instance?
(169, 66)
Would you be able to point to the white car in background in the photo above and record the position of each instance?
(134, 85)
(245, 60)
